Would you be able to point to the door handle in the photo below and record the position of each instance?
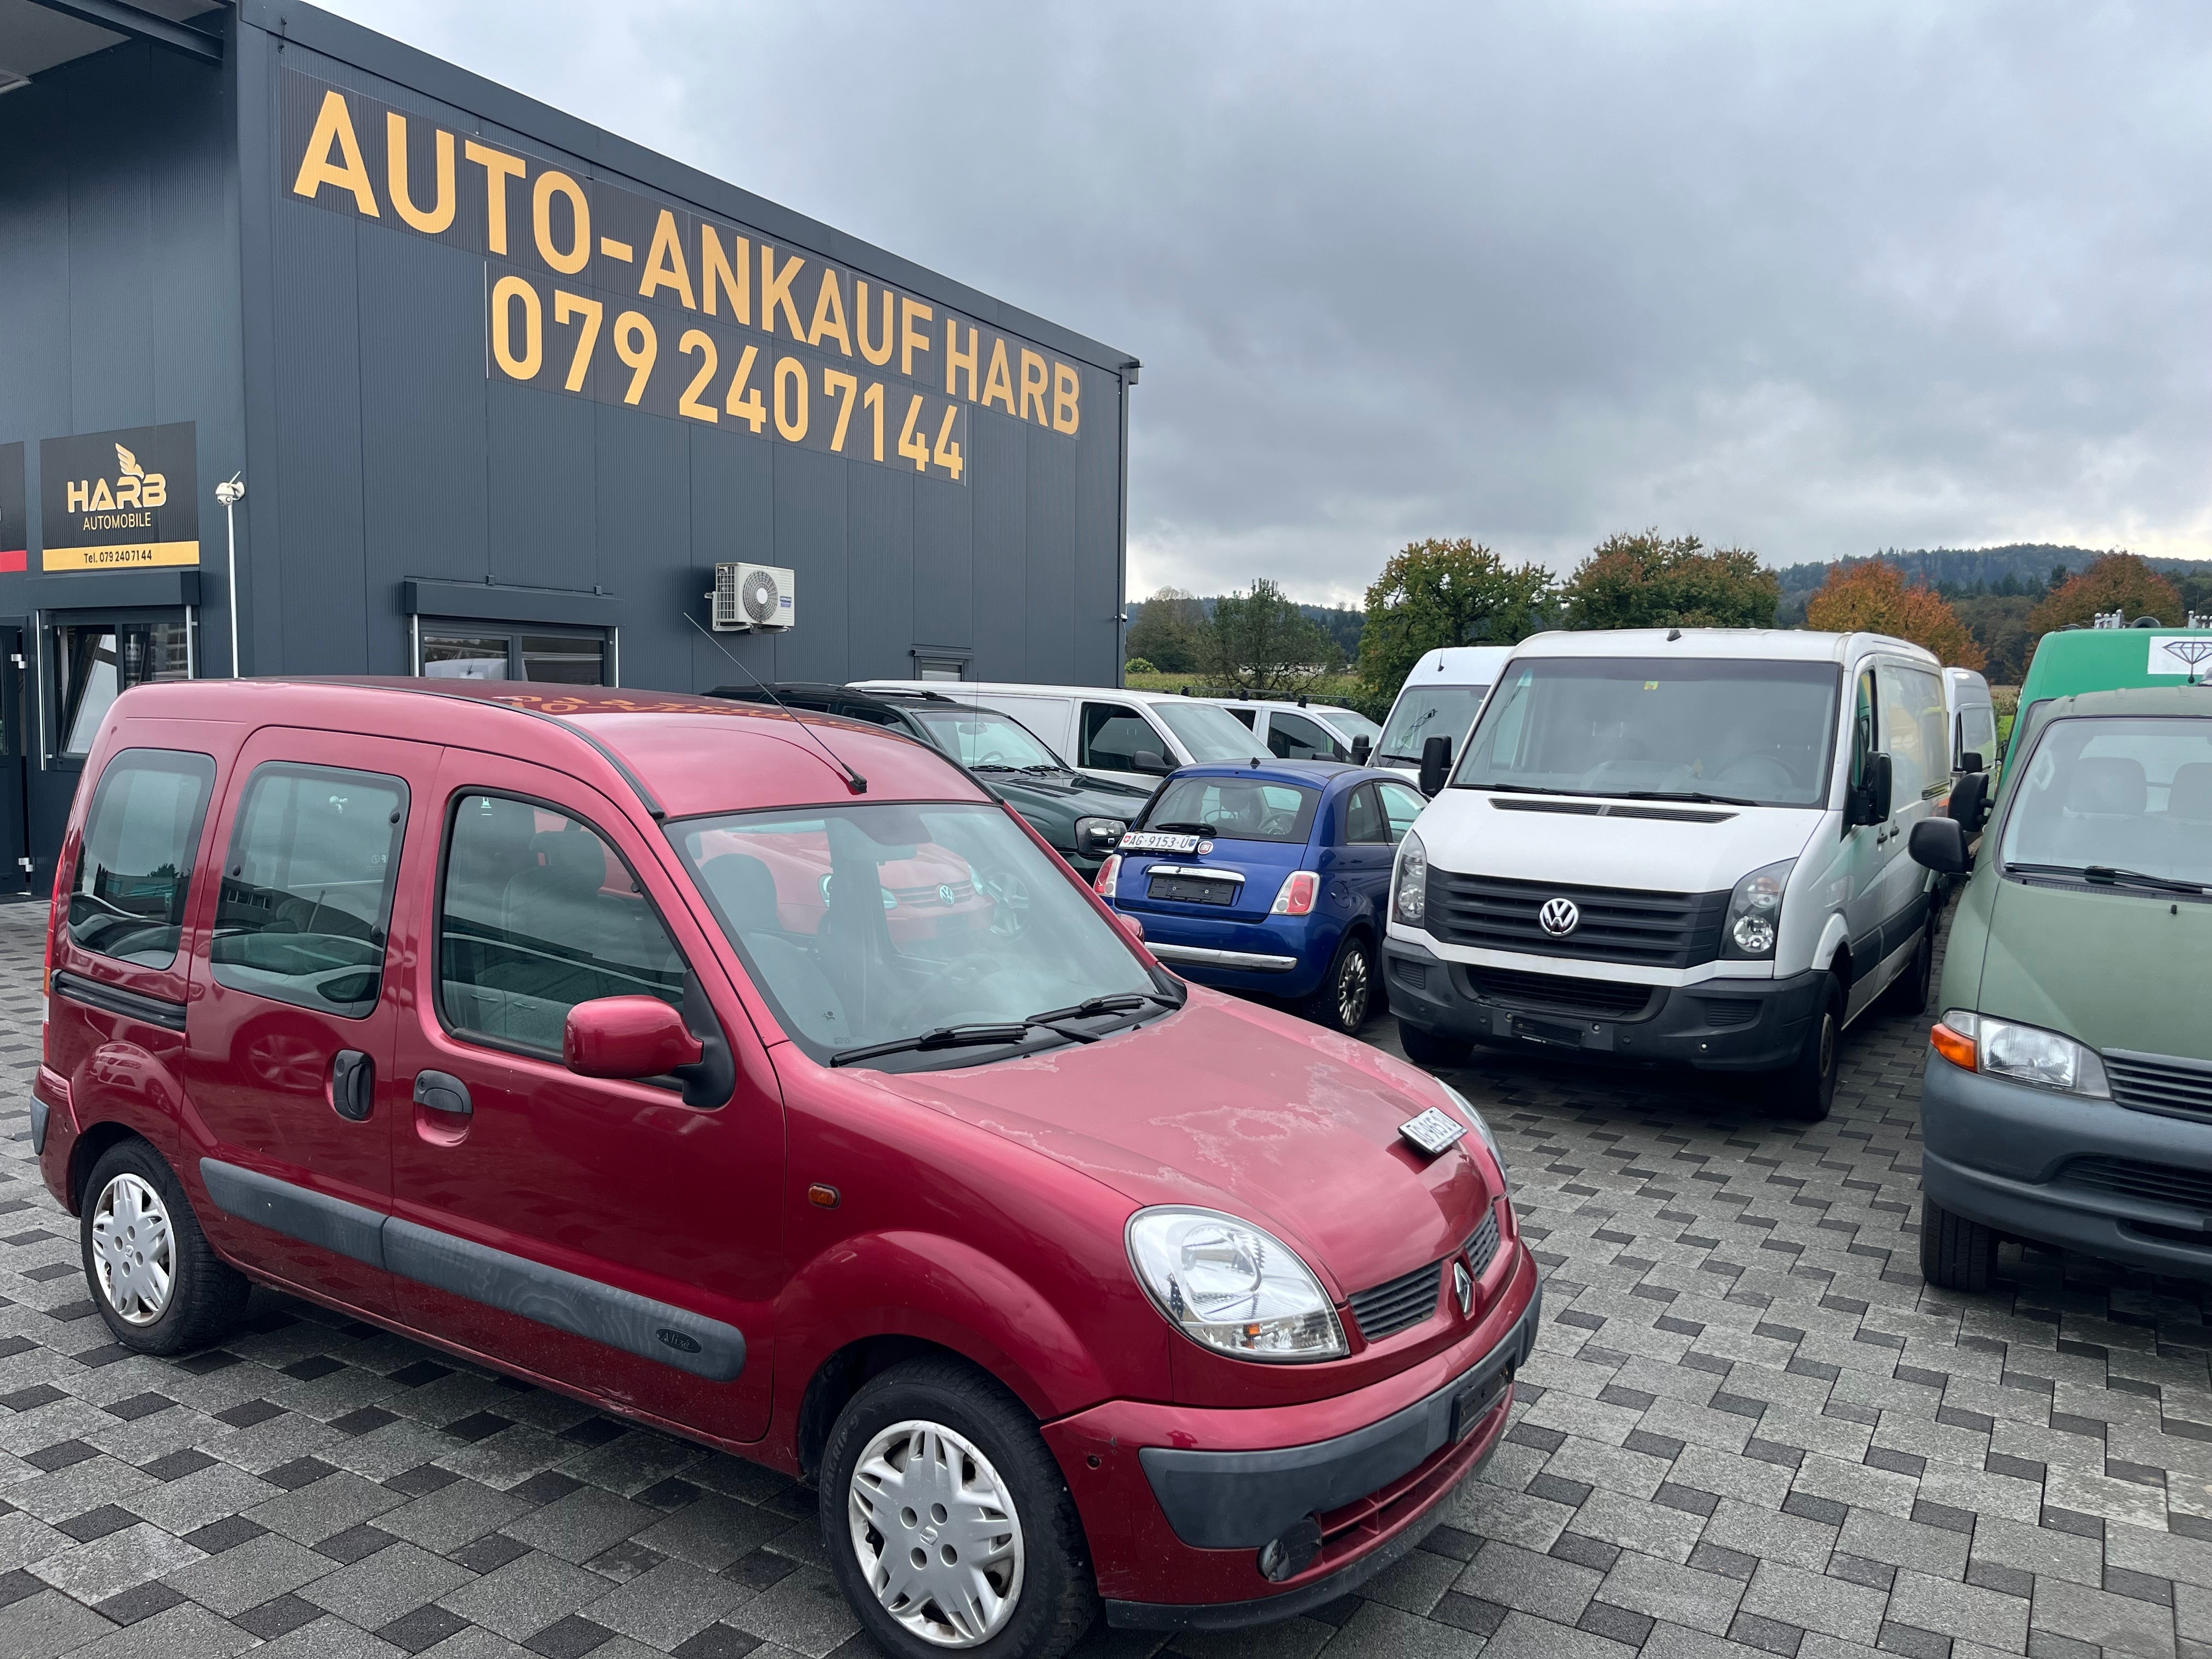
(442, 1092)
(353, 1085)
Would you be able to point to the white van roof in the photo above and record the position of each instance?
(1748, 644)
(1461, 664)
(1022, 689)
(1966, 679)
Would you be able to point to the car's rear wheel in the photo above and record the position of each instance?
(1427, 1049)
(155, 1279)
(949, 1526)
(1956, 1253)
(1805, 1090)
(1345, 996)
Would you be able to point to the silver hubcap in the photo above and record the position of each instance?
(133, 1250)
(1827, 1044)
(1352, 991)
(936, 1535)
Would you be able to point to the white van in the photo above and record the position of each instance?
(1682, 846)
(1974, 717)
(1305, 731)
(1133, 737)
(1439, 699)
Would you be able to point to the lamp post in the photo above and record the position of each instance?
(229, 492)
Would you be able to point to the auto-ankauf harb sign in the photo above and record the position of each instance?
(119, 500)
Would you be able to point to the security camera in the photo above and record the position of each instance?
(230, 491)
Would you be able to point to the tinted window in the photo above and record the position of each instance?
(1112, 738)
(1234, 809)
(140, 840)
(1245, 716)
(537, 915)
(307, 887)
(1363, 816)
(1400, 806)
(1293, 737)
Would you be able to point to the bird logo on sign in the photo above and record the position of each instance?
(1559, 917)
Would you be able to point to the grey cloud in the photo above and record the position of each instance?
(1811, 279)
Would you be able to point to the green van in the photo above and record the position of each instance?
(2067, 1095)
(2077, 659)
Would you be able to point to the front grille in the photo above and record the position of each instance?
(1722, 1012)
(1398, 1306)
(1560, 993)
(1482, 1244)
(2160, 1083)
(1616, 924)
(2160, 1184)
(1415, 973)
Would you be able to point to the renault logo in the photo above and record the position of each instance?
(1558, 917)
(1463, 1288)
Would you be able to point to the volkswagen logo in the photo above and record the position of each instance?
(945, 893)
(1558, 917)
(1463, 1288)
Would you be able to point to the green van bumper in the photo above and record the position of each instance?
(2084, 1175)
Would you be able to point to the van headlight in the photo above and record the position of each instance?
(1232, 1287)
(1754, 914)
(2022, 1054)
(1409, 898)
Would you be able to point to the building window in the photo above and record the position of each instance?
(465, 651)
(96, 662)
(939, 665)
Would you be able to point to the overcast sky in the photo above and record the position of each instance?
(1812, 279)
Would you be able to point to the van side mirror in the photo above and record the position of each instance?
(1436, 764)
(1970, 806)
(627, 1038)
(1971, 760)
(1870, 801)
(1148, 760)
(1361, 749)
(1939, 844)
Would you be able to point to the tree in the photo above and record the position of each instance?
(1262, 641)
(1168, 630)
(1438, 592)
(1646, 581)
(1874, 599)
(2113, 581)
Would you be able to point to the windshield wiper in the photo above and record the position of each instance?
(2103, 875)
(1118, 1002)
(1698, 796)
(1523, 789)
(942, 1036)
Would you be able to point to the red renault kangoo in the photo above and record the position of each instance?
(767, 1080)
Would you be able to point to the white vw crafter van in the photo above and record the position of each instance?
(1683, 846)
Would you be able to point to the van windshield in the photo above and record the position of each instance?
(1756, 733)
(2109, 800)
(1210, 731)
(1429, 711)
(936, 930)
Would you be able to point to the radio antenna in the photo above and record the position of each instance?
(853, 781)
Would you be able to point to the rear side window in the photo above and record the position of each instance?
(307, 887)
(140, 840)
(1363, 816)
(1233, 809)
(539, 914)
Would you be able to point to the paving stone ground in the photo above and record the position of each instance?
(1749, 1430)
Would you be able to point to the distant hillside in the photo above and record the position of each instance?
(2028, 565)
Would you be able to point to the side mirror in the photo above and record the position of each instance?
(1095, 837)
(1939, 844)
(1361, 749)
(1970, 806)
(1436, 764)
(1148, 760)
(1971, 760)
(1870, 801)
(627, 1038)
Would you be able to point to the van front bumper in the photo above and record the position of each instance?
(2013, 1157)
(1178, 1501)
(1715, 1024)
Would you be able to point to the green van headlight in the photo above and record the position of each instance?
(2031, 1055)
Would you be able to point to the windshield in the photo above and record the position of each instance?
(1760, 733)
(1430, 711)
(1233, 809)
(1351, 723)
(979, 738)
(1210, 731)
(2124, 795)
(864, 924)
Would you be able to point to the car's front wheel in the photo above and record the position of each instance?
(1804, 1092)
(156, 1281)
(1956, 1253)
(949, 1526)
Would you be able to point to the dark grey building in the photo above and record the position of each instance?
(502, 391)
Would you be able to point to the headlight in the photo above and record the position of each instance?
(1097, 836)
(2021, 1054)
(1231, 1287)
(1754, 914)
(1467, 1108)
(1409, 902)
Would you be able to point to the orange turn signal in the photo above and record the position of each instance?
(1954, 1045)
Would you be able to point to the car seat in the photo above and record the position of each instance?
(745, 888)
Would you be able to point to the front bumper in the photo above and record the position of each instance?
(1179, 1501)
(1998, 1153)
(1714, 1024)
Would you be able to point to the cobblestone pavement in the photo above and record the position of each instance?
(1750, 1429)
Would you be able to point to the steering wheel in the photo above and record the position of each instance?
(996, 757)
(1010, 904)
(1756, 775)
(1277, 824)
(948, 987)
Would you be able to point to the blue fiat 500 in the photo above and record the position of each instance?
(1269, 880)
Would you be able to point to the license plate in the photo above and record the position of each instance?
(1434, 1132)
(1542, 1030)
(1152, 841)
(1469, 1409)
(1191, 891)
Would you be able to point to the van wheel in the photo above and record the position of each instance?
(1909, 992)
(155, 1279)
(1805, 1090)
(1347, 994)
(1956, 1253)
(947, 1522)
(1427, 1049)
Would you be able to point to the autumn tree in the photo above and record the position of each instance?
(1873, 598)
(1645, 580)
(1169, 631)
(1438, 592)
(1260, 641)
(2113, 581)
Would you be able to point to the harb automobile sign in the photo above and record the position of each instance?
(120, 500)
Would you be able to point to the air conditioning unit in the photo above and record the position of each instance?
(748, 597)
